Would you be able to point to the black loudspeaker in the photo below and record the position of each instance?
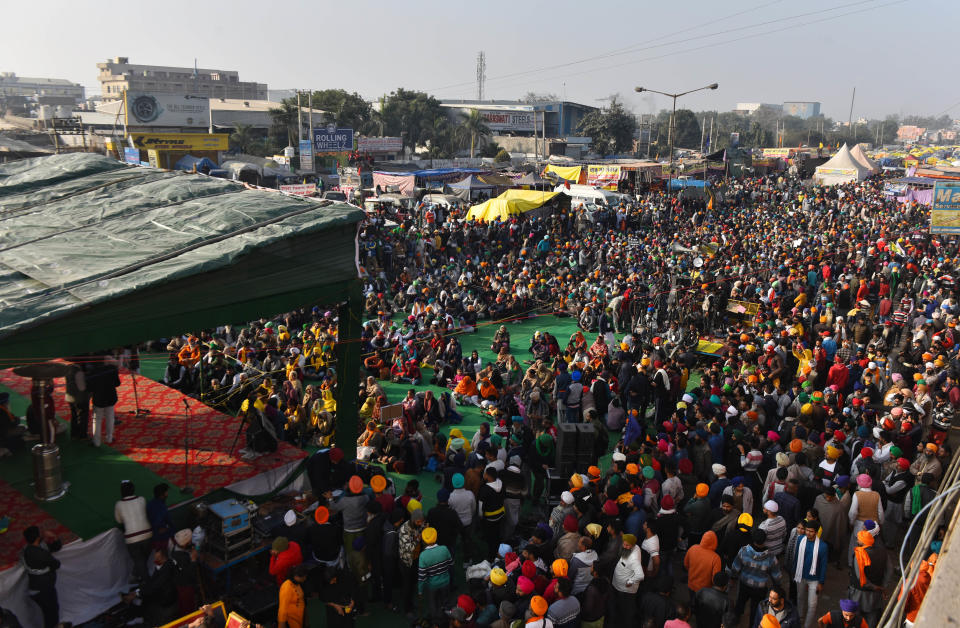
(567, 439)
(556, 483)
(586, 437)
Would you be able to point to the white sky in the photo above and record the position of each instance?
(898, 54)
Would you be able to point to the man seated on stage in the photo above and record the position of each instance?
(175, 375)
(261, 435)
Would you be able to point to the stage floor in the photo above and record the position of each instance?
(146, 450)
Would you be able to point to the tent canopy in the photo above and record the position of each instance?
(510, 203)
(471, 182)
(97, 254)
(841, 168)
(532, 178)
(861, 157)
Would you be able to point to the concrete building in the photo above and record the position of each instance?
(801, 109)
(22, 95)
(514, 118)
(118, 74)
(747, 108)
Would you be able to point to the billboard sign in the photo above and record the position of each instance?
(508, 120)
(605, 177)
(379, 144)
(181, 141)
(945, 208)
(332, 140)
(131, 155)
(157, 109)
(306, 155)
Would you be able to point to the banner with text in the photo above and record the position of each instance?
(945, 209)
(300, 189)
(508, 120)
(181, 141)
(306, 155)
(379, 144)
(157, 109)
(606, 177)
(332, 140)
(780, 153)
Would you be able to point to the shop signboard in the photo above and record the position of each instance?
(181, 141)
(174, 110)
(330, 139)
(508, 120)
(379, 144)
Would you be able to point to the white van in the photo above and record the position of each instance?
(588, 194)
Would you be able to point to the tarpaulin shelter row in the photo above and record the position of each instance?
(510, 203)
(408, 180)
(97, 254)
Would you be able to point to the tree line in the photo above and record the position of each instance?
(416, 117)
(422, 124)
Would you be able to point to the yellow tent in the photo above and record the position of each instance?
(569, 173)
(510, 203)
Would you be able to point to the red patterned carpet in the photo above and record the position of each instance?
(23, 513)
(156, 440)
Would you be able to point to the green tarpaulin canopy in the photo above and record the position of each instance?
(96, 254)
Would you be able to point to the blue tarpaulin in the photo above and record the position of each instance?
(194, 164)
(679, 184)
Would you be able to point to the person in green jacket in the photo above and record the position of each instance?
(433, 573)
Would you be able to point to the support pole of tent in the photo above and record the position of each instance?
(348, 368)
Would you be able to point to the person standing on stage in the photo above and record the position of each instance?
(102, 384)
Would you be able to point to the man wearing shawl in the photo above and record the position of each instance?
(810, 558)
(866, 576)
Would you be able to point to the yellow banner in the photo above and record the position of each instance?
(568, 173)
(181, 141)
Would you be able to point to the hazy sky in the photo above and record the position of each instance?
(897, 53)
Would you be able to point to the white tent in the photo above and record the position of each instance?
(842, 168)
(857, 153)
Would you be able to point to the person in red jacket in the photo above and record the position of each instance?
(284, 555)
(839, 375)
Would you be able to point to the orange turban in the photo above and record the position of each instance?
(863, 558)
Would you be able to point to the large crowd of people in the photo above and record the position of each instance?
(726, 482)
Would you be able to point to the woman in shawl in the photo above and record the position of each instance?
(466, 391)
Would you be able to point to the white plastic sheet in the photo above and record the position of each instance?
(92, 574)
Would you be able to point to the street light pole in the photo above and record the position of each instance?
(673, 115)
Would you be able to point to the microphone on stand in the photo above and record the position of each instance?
(187, 489)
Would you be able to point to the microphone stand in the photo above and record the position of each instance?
(139, 411)
(187, 489)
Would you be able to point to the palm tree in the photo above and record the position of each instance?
(474, 125)
(242, 138)
(286, 118)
